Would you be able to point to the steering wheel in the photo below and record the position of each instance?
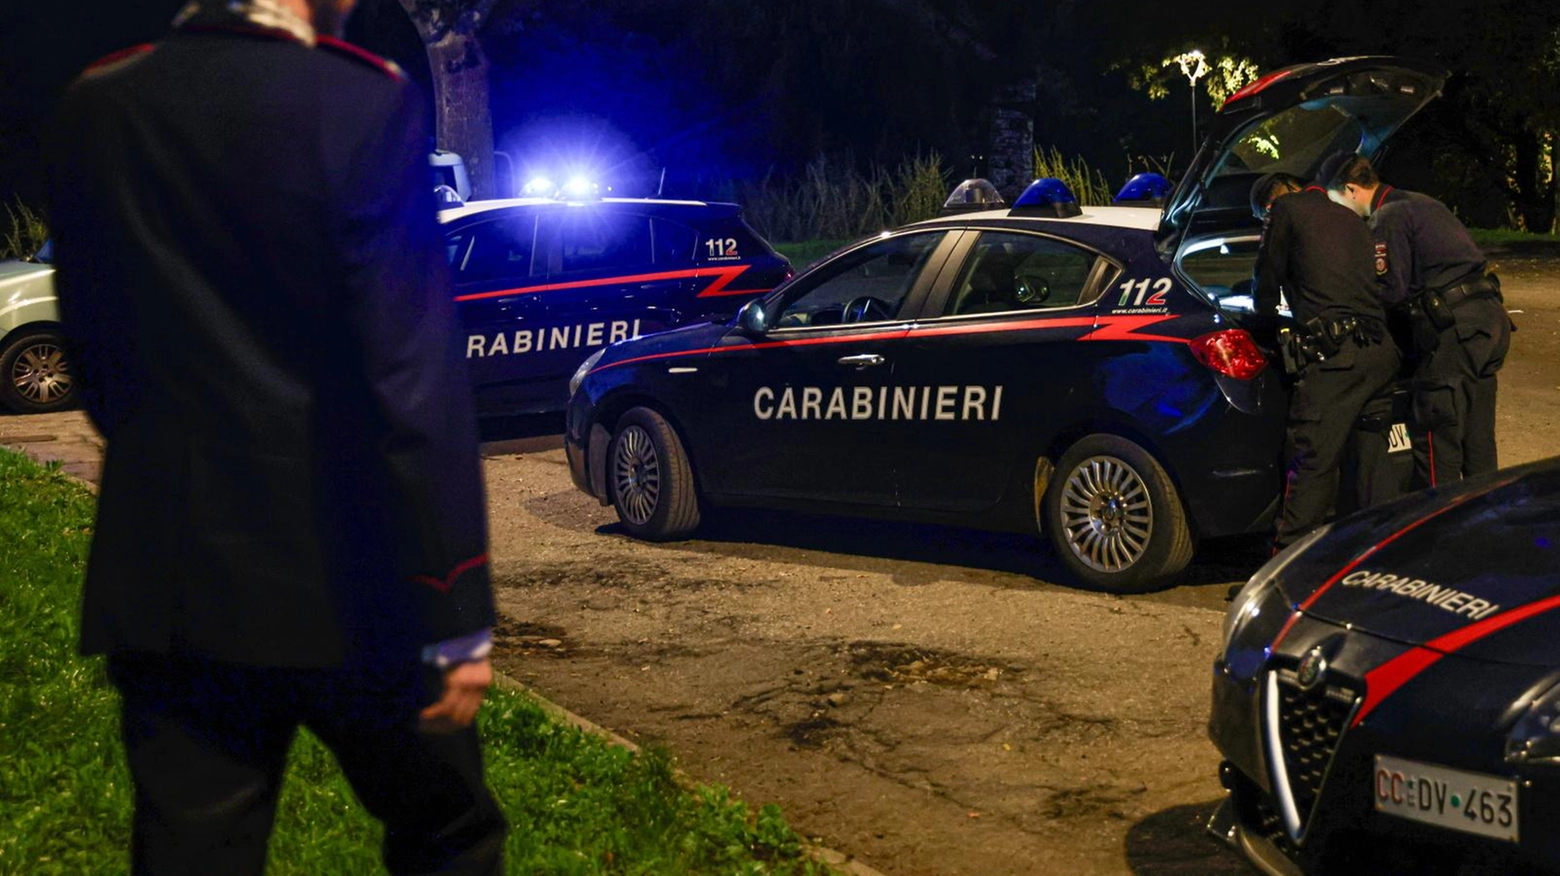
(865, 308)
(1029, 289)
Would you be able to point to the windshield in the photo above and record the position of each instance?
(1295, 141)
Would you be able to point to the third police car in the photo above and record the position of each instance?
(543, 281)
(1092, 374)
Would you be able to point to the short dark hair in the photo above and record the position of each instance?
(1270, 186)
(1357, 171)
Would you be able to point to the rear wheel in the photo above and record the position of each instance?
(35, 374)
(1114, 516)
(650, 478)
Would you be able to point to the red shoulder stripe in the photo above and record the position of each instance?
(115, 59)
(347, 50)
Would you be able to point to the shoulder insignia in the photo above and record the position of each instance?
(363, 56)
(116, 60)
(1381, 259)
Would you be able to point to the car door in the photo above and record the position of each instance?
(803, 411)
(493, 260)
(602, 283)
(997, 355)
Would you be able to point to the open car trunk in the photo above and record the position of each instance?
(1289, 121)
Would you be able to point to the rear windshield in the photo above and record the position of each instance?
(1295, 141)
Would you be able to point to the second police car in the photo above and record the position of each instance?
(541, 282)
(1093, 374)
(1387, 701)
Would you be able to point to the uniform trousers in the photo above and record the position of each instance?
(207, 742)
(1323, 415)
(1454, 394)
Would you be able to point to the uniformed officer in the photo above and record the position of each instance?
(291, 527)
(1429, 264)
(1318, 255)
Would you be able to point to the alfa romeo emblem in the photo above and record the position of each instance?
(1313, 666)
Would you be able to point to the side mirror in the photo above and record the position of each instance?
(752, 318)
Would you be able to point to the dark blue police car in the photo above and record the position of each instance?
(542, 282)
(1388, 700)
(1092, 374)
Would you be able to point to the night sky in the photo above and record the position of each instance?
(715, 91)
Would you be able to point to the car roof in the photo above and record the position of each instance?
(1136, 218)
(473, 208)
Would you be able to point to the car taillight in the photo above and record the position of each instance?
(1231, 352)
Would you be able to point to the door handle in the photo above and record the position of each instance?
(863, 360)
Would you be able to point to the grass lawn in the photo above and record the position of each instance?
(575, 804)
(1507, 236)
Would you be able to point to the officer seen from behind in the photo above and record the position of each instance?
(1318, 255)
(1428, 263)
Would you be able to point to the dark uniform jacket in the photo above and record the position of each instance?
(250, 272)
(1420, 245)
(1319, 253)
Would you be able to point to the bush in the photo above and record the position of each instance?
(24, 232)
(1087, 185)
(831, 199)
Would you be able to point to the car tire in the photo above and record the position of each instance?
(35, 373)
(650, 479)
(1114, 516)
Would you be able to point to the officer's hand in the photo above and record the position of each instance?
(465, 684)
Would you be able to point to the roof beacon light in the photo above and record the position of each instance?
(971, 196)
(539, 187)
(579, 188)
(1047, 197)
(1145, 188)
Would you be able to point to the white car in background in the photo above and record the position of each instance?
(35, 372)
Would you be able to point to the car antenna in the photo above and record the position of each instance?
(661, 186)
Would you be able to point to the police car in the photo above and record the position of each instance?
(541, 282)
(1093, 374)
(35, 373)
(1388, 701)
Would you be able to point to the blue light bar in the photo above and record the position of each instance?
(1047, 197)
(1144, 188)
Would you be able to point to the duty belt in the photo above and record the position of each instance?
(1484, 286)
(1321, 339)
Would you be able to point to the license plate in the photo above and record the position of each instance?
(1397, 439)
(1444, 797)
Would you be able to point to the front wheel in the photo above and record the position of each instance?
(35, 374)
(650, 478)
(1114, 516)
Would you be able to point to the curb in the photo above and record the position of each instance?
(838, 860)
(835, 859)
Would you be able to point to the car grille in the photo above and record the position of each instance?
(1310, 725)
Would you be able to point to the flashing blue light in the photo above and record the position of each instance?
(539, 187)
(579, 187)
(1144, 187)
(1049, 196)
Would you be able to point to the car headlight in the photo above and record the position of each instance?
(584, 369)
(1259, 611)
(1535, 738)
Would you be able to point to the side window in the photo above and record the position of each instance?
(1222, 269)
(1009, 271)
(604, 240)
(493, 250)
(869, 284)
(674, 242)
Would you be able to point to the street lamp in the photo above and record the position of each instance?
(1194, 67)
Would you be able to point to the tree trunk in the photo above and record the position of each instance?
(460, 98)
(462, 117)
(1535, 183)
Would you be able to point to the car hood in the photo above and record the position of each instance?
(1473, 569)
(1290, 121)
(15, 268)
(680, 341)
